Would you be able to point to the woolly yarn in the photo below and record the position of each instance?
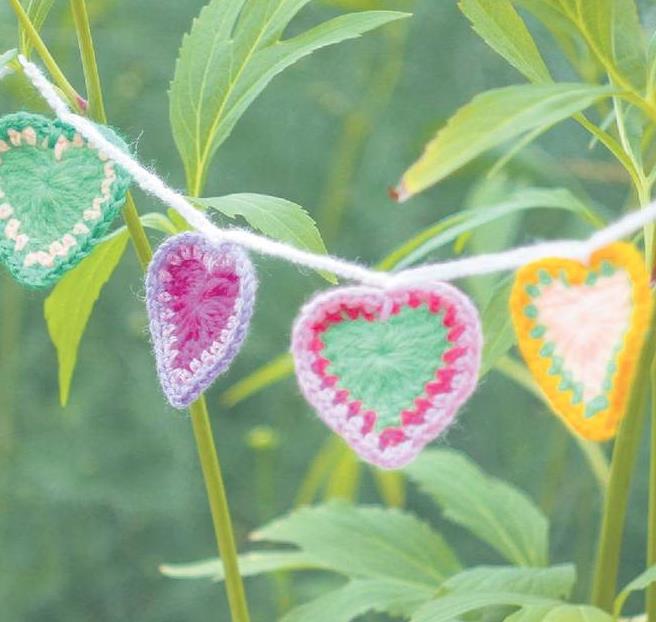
(388, 370)
(58, 196)
(580, 328)
(200, 297)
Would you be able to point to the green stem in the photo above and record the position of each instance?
(200, 419)
(57, 74)
(621, 471)
(650, 593)
(89, 64)
(97, 113)
(219, 507)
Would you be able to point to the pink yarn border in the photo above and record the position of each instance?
(335, 412)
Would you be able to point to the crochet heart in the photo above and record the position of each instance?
(580, 329)
(388, 370)
(58, 196)
(200, 298)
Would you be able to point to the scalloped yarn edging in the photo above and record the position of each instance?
(58, 196)
(388, 369)
(581, 328)
(200, 297)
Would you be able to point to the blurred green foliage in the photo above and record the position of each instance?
(95, 496)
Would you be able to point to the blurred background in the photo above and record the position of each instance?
(93, 497)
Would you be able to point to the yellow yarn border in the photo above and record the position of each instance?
(622, 256)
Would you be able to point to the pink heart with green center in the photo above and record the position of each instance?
(58, 196)
(388, 370)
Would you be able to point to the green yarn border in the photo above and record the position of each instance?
(41, 276)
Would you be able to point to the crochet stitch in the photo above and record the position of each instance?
(200, 297)
(581, 329)
(388, 370)
(58, 196)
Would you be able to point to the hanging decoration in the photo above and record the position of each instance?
(386, 364)
(200, 297)
(58, 196)
(388, 370)
(581, 328)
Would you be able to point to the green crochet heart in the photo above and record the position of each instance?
(58, 196)
(402, 354)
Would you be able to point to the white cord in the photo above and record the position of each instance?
(444, 271)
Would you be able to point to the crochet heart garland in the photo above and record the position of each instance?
(580, 329)
(388, 370)
(200, 297)
(58, 196)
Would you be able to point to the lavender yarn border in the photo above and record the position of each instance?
(181, 395)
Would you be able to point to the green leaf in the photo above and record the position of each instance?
(6, 58)
(68, 307)
(612, 31)
(277, 218)
(499, 25)
(232, 52)
(492, 510)
(641, 582)
(451, 227)
(560, 613)
(497, 326)
(359, 597)
(367, 542)
(554, 581)
(37, 11)
(448, 608)
(250, 564)
(493, 118)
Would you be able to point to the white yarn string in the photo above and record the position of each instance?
(443, 271)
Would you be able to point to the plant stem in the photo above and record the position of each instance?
(621, 470)
(202, 431)
(58, 75)
(219, 507)
(650, 593)
(89, 64)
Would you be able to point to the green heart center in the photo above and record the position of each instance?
(58, 196)
(386, 364)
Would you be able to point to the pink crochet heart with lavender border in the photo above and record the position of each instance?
(388, 370)
(200, 297)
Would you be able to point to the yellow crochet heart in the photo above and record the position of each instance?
(580, 329)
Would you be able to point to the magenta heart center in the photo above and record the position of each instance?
(202, 300)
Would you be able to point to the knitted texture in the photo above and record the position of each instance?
(388, 370)
(581, 329)
(58, 196)
(200, 297)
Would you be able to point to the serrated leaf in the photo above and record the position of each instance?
(491, 119)
(448, 608)
(68, 307)
(641, 582)
(612, 31)
(500, 26)
(277, 218)
(560, 613)
(250, 564)
(231, 53)
(491, 509)
(367, 542)
(359, 597)
(554, 581)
